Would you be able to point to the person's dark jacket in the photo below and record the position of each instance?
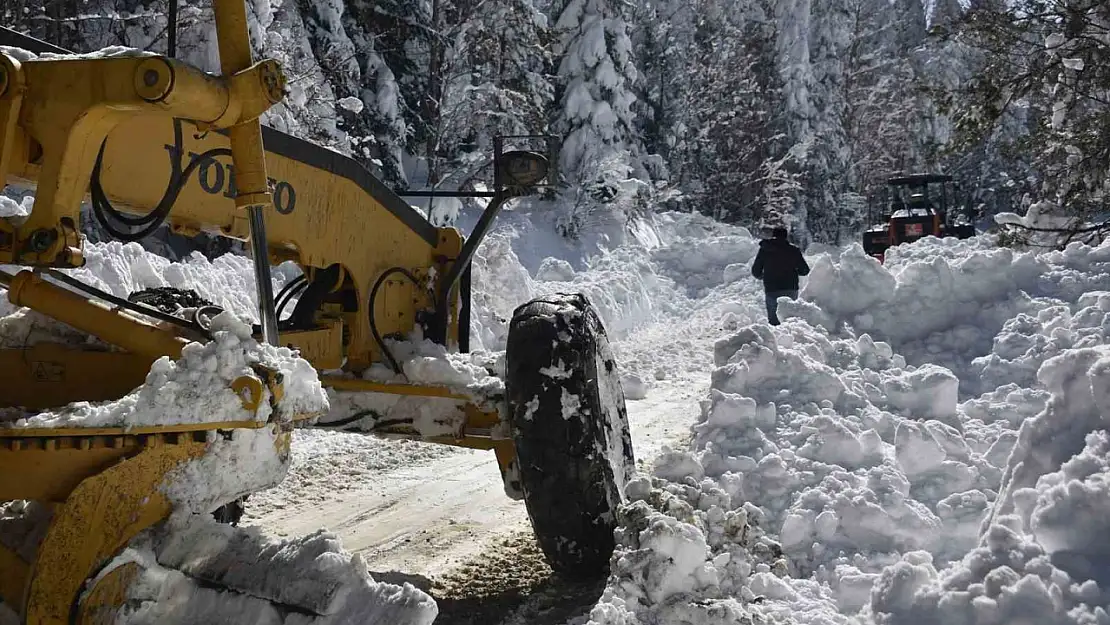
(779, 264)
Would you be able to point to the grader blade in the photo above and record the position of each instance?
(244, 561)
(326, 587)
(99, 517)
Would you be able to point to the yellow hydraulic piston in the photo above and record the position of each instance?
(68, 131)
(247, 153)
(115, 327)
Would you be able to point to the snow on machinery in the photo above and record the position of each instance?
(152, 141)
(919, 207)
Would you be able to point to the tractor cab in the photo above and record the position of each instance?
(919, 207)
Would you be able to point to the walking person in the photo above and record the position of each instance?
(778, 264)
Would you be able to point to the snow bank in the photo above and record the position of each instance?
(700, 253)
(900, 491)
(842, 452)
(1041, 556)
(622, 283)
(961, 304)
(655, 274)
(197, 387)
(307, 573)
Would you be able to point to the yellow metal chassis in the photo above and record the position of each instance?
(60, 118)
(50, 375)
(103, 489)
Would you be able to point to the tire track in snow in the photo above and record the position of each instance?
(508, 581)
(511, 583)
(447, 527)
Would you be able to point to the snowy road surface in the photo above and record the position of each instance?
(421, 519)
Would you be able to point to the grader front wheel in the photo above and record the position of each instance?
(570, 428)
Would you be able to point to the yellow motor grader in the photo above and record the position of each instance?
(153, 142)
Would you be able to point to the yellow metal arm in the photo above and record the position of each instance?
(246, 133)
(247, 153)
(67, 108)
(114, 326)
(163, 132)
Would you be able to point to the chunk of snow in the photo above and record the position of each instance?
(635, 387)
(351, 103)
(197, 387)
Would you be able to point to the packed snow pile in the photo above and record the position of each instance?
(900, 490)
(700, 253)
(660, 274)
(962, 304)
(13, 211)
(687, 552)
(305, 581)
(1042, 554)
(197, 388)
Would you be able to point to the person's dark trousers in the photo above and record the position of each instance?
(773, 304)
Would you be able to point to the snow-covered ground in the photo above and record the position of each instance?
(918, 443)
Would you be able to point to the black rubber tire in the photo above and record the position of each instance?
(573, 470)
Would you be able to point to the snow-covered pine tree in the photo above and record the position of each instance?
(664, 48)
(826, 165)
(494, 83)
(735, 164)
(366, 106)
(792, 49)
(402, 37)
(599, 156)
(1049, 65)
(944, 15)
(881, 112)
(909, 24)
(379, 132)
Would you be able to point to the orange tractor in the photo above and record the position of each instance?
(919, 207)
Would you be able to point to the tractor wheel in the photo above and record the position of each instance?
(570, 429)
